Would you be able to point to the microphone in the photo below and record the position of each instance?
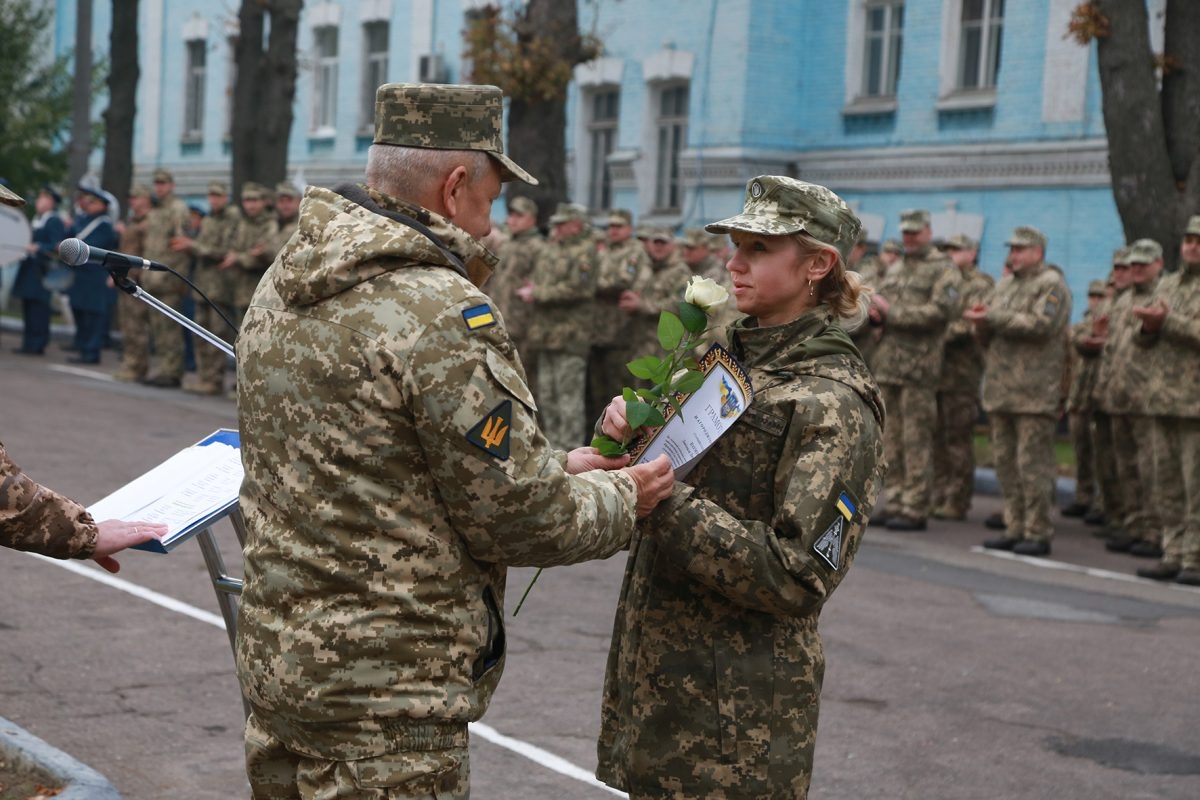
(75, 253)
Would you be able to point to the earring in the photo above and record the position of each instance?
(812, 290)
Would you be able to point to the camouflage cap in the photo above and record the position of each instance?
(1097, 288)
(892, 246)
(695, 237)
(1193, 226)
(659, 233)
(566, 212)
(1121, 257)
(960, 241)
(913, 220)
(287, 189)
(140, 190)
(1026, 236)
(620, 216)
(9, 198)
(522, 205)
(1145, 251)
(445, 117)
(780, 206)
(162, 175)
(218, 187)
(253, 191)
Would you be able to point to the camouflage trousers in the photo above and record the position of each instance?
(1023, 449)
(1104, 460)
(277, 773)
(1082, 441)
(135, 336)
(908, 447)
(167, 337)
(954, 452)
(1133, 451)
(560, 396)
(1177, 488)
(211, 362)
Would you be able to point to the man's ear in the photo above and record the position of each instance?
(452, 187)
(821, 265)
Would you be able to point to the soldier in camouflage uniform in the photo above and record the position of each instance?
(1080, 407)
(209, 248)
(872, 268)
(714, 674)
(287, 216)
(132, 314)
(1024, 328)
(1121, 395)
(39, 520)
(696, 247)
(564, 282)
(394, 469)
(168, 220)
(250, 249)
(913, 304)
(669, 276)
(1170, 336)
(518, 260)
(624, 264)
(958, 391)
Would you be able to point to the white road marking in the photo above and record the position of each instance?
(1048, 563)
(82, 373)
(524, 749)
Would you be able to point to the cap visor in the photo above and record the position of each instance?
(9, 198)
(510, 171)
(755, 223)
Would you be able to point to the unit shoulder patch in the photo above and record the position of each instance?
(829, 545)
(491, 434)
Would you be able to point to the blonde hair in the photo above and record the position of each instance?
(841, 289)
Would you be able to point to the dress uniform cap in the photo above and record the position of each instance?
(53, 191)
(913, 220)
(1097, 288)
(960, 241)
(218, 187)
(1193, 226)
(1026, 236)
(445, 117)
(777, 205)
(253, 191)
(9, 198)
(522, 205)
(620, 216)
(1145, 251)
(162, 175)
(94, 191)
(566, 212)
(287, 189)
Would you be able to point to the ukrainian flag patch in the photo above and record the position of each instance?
(846, 506)
(480, 316)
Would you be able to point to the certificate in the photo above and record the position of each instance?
(703, 417)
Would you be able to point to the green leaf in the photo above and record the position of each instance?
(609, 446)
(629, 394)
(664, 372)
(649, 395)
(690, 382)
(675, 404)
(645, 367)
(670, 331)
(637, 412)
(656, 418)
(693, 316)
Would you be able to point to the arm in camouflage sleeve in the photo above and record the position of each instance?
(945, 304)
(507, 494)
(1182, 329)
(35, 519)
(773, 567)
(557, 279)
(1049, 312)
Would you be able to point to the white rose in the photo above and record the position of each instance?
(705, 293)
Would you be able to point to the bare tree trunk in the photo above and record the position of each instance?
(1142, 179)
(117, 172)
(278, 92)
(81, 119)
(1181, 102)
(248, 56)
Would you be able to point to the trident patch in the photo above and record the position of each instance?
(829, 545)
(490, 434)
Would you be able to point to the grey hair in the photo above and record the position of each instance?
(409, 173)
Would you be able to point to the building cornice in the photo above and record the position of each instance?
(1078, 163)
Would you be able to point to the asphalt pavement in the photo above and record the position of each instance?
(951, 672)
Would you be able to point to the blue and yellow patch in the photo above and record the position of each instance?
(846, 506)
(480, 316)
(491, 434)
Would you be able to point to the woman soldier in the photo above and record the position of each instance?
(715, 669)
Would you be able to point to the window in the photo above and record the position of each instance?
(882, 39)
(325, 40)
(672, 137)
(602, 137)
(374, 71)
(979, 46)
(193, 93)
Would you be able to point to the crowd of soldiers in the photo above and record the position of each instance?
(944, 340)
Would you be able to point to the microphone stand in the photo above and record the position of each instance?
(130, 288)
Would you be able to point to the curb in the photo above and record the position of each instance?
(79, 781)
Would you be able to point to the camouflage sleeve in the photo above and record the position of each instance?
(959, 329)
(210, 243)
(1081, 331)
(38, 520)
(1182, 329)
(559, 278)
(504, 486)
(1049, 311)
(944, 305)
(263, 239)
(822, 492)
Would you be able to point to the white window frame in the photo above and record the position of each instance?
(195, 83)
(325, 81)
(953, 93)
(670, 140)
(374, 71)
(891, 45)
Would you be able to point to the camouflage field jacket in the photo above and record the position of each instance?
(393, 470)
(715, 668)
(36, 519)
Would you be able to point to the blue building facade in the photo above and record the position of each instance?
(982, 111)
